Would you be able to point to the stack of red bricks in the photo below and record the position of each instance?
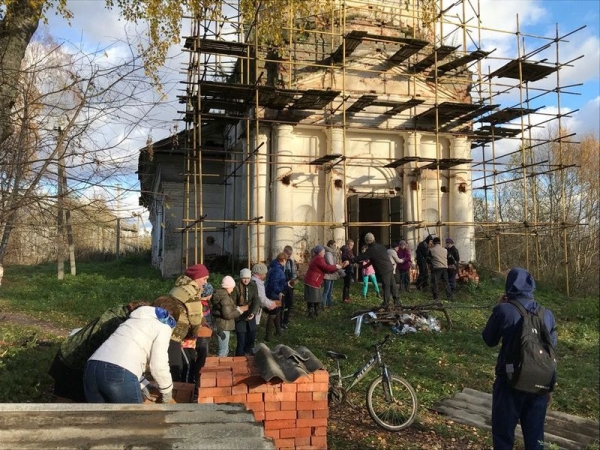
(294, 414)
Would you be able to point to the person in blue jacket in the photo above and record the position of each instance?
(510, 406)
(274, 290)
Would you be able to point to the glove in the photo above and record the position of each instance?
(147, 395)
(167, 397)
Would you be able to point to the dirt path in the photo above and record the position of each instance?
(24, 319)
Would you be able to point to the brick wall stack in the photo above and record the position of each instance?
(294, 414)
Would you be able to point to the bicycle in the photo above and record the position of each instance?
(391, 400)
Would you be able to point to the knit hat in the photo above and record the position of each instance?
(449, 241)
(228, 282)
(318, 249)
(197, 271)
(245, 273)
(369, 238)
(259, 268)
(184, 293)
(402, 242)
(207, 290)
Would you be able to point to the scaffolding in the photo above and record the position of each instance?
(237, 83)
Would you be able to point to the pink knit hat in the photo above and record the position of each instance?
(228, 282)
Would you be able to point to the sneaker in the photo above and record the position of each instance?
(347, 300)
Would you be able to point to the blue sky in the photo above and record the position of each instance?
(93, 26)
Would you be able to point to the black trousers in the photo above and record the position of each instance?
(288, 303)
(390, 288)
(438, 275)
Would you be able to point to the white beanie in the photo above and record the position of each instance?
(245, 273)
(369, 238)
(228, 282)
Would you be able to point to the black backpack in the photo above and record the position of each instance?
(531, 362)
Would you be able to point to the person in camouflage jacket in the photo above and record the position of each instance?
(187, 290)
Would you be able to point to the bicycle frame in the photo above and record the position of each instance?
(358, 375)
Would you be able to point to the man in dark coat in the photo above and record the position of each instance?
(422, 254)
(510, 406)
(377, 254)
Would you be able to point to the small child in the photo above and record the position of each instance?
(368, 273)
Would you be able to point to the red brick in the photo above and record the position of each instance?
(304, 396)
(280, 415)
(321, 376)
(211, 361)
(289, 387)
(206, 400)
(256, 386)
(272, 433)
(319, 431)
(272, 406)
(317, 396)
(295, 432)
(208, 381)
(320, 404)
(239, 389)
(215, 391)
(256, 397)
(302, 441)
(306, 387)
(224, 378)
(321, 413)
(306, 379)
(306, 406)
(259, 416)
(281, 396)
(289, 406)
(311, 423)
(319, 441)
(284, 443)
(305, 414)
(255, 406)
(279, 424)
(225, 360)
(240, 398)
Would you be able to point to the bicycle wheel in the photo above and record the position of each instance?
(392, 405)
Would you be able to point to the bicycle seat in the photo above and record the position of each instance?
(334, 355)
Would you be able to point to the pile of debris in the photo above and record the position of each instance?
(405, 319)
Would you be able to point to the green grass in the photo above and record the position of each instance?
(437, 364)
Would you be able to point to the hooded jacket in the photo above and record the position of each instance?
(276, 280)
(502, 324)
(223, 310)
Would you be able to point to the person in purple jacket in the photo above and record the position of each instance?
(403, 269)
(510, 406)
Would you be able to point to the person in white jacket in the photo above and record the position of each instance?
(114, 372)
(259, 272)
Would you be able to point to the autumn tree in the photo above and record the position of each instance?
(550, 207)
(19, 20)
(72, 113)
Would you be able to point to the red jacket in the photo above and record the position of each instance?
(316, 270)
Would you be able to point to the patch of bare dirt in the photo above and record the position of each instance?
(24, 319)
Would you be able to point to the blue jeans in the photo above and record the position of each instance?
(510, 407)
(104, 382)
(327, 292)
(223, 344)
